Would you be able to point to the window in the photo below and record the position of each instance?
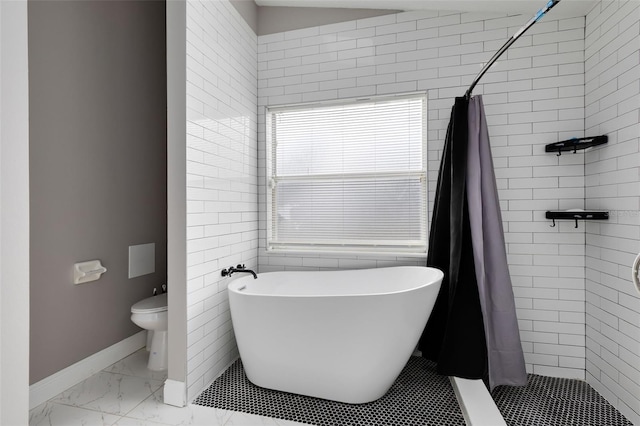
(348, 176)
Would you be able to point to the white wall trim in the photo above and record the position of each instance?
(51, 386)
(175, 393)
(476, 404)
(14, 213)
(177, 188)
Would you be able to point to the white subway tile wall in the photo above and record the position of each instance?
(554, 83)
(612, 107)
(534, 95)
(222, 191)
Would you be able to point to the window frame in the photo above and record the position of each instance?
(404, 250)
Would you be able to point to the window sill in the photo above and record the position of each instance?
(314, 252)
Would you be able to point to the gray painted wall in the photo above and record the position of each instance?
(97, 106)
(248, 9)
(269, 20)
(278, 19)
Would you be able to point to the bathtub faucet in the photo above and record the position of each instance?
(239, 268)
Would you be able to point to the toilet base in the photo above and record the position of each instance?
(158, 351)
(149, 339)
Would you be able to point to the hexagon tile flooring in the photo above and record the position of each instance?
(551, 401)
(418, 397)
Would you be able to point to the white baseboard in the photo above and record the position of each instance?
(175, 393)
(51, 386)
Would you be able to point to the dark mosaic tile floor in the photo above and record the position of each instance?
(418, 397)
(555, 402)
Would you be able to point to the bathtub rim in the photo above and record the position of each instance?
(236, 284)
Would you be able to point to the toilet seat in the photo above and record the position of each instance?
(150, 305)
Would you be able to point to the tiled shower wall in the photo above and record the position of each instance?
(612, 107)
(533, 96)
(222, 164)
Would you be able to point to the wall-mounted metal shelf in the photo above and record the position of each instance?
(576, 215)
(576, 144)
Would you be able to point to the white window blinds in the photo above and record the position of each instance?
(348, 176)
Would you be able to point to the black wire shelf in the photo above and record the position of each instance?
(576, 215)
(576, 144)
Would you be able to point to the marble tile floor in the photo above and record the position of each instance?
(128, 394)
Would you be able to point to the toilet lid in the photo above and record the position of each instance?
(150, 305)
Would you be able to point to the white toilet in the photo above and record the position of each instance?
(151, 314)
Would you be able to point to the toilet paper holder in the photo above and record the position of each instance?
(84, 272)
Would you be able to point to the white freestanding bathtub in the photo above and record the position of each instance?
(338, 335)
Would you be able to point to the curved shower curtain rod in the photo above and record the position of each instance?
(516, 36)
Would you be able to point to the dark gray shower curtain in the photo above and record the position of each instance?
(473, 331)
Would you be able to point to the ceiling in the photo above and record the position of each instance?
(528, 7)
